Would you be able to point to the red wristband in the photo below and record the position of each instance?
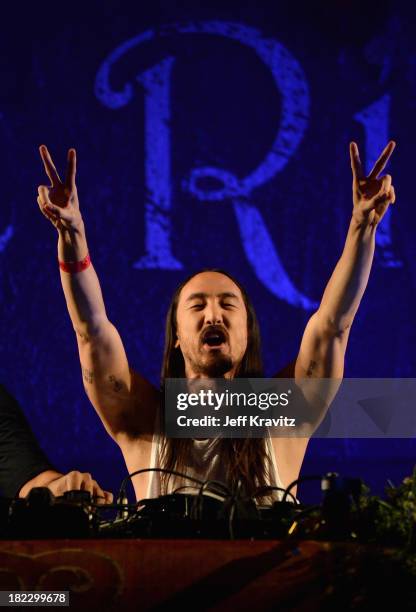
(72, 267)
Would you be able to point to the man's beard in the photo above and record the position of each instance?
(214, 367)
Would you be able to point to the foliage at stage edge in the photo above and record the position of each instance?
(386, 565)
(389, 522)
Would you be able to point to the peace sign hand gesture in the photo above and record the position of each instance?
(372, 194)
(59, 202)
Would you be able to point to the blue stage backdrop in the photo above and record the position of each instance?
(208, 134)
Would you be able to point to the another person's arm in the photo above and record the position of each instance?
(21, 458)
(23, 464)
(124, 400)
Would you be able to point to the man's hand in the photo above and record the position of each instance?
(59, 201)
(371, 195)
(73, 481)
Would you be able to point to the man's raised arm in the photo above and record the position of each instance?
(123, 399)
(322, 351)
(325, 338)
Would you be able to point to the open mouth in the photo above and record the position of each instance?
(213, 337)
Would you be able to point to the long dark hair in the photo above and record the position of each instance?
(247, 461)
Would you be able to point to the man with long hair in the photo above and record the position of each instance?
(211, 331)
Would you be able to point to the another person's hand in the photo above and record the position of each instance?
(75, 481)
(59, 201)
(371, 195)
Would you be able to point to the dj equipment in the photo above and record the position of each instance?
(213, 512)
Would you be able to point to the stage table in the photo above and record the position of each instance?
(133, 574)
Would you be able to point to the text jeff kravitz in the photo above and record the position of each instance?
(240, 421)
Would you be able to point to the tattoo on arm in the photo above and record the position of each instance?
(87, 375)
(117, 385)
(81, 336)
(311, 368)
